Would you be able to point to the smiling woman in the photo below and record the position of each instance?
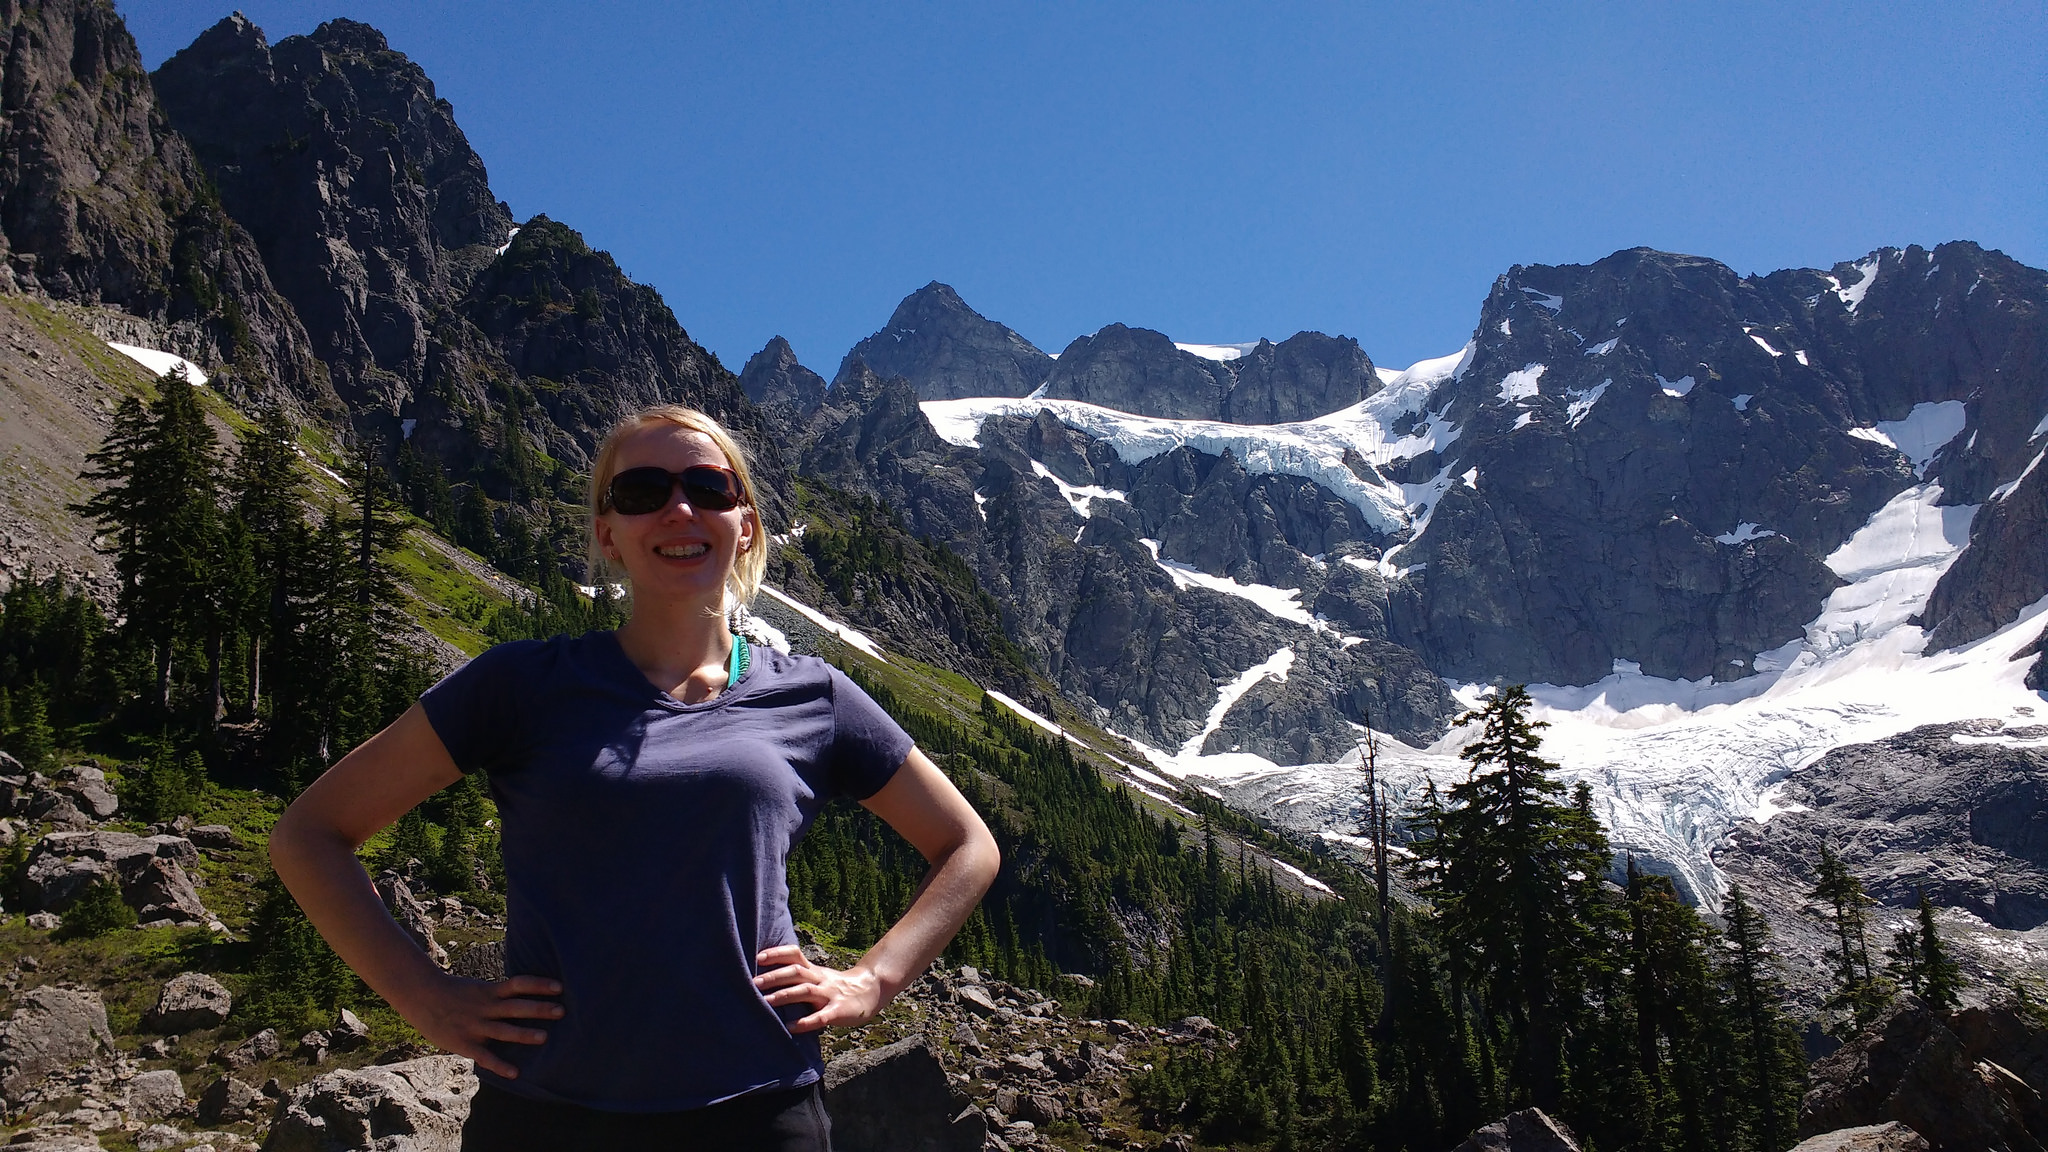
(651, 784)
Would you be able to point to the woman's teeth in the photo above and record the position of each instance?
(683, 551)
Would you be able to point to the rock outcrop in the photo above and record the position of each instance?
(1965, 1080)
(1890, 1136)
(787, 391)
(1530, 1130)
(897, 1098)
(414, 1106)
(1955, 810)
(369, 206)
(50, 1029)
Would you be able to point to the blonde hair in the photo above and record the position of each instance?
(751, 566)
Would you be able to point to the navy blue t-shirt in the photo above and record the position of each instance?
(646, 846)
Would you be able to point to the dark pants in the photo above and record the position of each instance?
(792, 1120)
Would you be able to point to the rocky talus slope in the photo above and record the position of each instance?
(959, 1063)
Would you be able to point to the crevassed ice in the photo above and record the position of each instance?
(1674, 764)
(1313, 449)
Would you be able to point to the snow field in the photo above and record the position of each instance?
(159, 362)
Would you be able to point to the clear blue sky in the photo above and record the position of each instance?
(1219, 172)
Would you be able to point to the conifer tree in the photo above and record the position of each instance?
(1921, 961)
(25, 712)
(160, 499)
(1859, 989)
(269, 494)
(1768, 1080)
(1507, 865)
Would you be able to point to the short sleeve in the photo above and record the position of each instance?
(475, 710)
(867, 743)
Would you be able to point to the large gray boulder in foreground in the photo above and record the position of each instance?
(416, 1106)
(896, 1098)
(1530, 1130)
(51, 1029)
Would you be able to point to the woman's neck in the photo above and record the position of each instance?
(682, 648)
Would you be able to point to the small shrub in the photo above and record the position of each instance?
(99, 911)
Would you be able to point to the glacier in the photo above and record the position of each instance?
(1673, 765)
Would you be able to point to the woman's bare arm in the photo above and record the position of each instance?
(313, 849)
(924, 807)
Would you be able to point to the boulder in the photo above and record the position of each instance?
(897, 1099)
(227, 1100)
(217, 836)
(155, 1095)
(349, 1033)
(264, 1045)
(1888, 1137)
(1529, 1130)
(87, 789)
(14, 791)
(51, 1029)
(158, 1137)
(150, 869)
(483, 960)
(189, 1002)
(416, 1106)
(59, 811)
(1040, 1108)
(975, 999)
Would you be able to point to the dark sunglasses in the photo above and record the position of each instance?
(708, 488)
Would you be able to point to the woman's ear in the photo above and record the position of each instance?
(602, 530)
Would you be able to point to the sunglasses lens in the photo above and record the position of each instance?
(711, 488)
(638, 491)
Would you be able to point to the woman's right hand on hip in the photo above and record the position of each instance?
(465, 1016)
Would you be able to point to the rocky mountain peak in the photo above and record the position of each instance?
(947, 350)
(104, 203)
(354, 37)
(363, 194)
(1140, 371)
(774, 378)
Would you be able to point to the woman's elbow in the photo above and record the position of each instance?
(987, 856)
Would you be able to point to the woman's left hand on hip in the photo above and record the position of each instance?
(842, 998)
